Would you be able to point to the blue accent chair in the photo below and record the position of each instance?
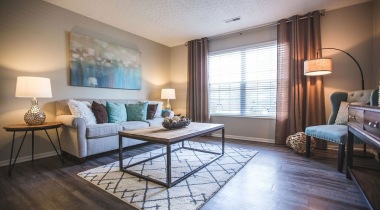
(338, 133)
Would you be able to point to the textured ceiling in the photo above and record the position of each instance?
(173, 22)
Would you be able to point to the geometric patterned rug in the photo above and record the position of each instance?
(191, 193)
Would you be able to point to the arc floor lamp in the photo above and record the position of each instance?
(323, 66)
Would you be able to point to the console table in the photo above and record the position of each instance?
(26, 128)
(364, 122)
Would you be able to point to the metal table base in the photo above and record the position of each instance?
(168, 152)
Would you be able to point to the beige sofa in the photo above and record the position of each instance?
(82, 140)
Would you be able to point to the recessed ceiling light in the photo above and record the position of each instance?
(232, 19)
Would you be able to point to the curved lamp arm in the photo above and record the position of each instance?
(360, 69)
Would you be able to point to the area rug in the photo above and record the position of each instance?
(191, 193)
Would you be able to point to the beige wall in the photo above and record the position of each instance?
(349, 29)
(376, 42)
(178, 77)
(34, 42)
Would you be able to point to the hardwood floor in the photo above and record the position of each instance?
(276, 178)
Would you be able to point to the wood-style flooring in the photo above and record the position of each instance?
(276, 178)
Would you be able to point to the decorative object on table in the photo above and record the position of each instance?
(191, 193)
(32, 87)
(168, 94)
(298, 143)
(96, 63)
(175, 122)
(323, 66)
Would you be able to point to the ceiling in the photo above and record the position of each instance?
(173, 22)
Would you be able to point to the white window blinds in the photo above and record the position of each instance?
(242, 82)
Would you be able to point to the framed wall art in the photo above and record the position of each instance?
(96, 63)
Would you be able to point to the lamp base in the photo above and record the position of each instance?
(34, 116)
(168, 106)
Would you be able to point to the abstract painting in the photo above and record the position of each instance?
(96, 63)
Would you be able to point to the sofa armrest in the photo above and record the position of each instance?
(71, 121)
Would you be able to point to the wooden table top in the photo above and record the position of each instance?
(25, 127)
(163, 135)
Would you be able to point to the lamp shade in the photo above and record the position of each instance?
(167, 94)
(29, 87)
(317, 67)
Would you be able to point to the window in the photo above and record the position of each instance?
(242, 82)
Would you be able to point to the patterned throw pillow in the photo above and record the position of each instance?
(342, 116)
(116, 112)
(100, 112)
(152, 108)
(137, 112)
(82, 109)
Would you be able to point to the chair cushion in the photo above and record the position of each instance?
(333, 133)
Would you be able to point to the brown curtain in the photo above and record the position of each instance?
(300, 99)
(197, 86)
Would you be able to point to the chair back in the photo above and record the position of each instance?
(370, 97)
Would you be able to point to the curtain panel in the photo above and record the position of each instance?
(300, 99)
(197, 86)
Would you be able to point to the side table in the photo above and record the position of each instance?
(26, 128)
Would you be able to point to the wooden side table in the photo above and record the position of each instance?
(26, 128)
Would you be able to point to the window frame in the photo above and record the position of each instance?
(217, 52)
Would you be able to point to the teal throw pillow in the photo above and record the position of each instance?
(116, 112)
(165, 113)
(137, 112)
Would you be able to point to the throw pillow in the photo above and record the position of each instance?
(342, 116)
(137, 112)
(82, 110)
(159, 107)
(152, 108)
(100, 112)
(116, 112)
(165, 113)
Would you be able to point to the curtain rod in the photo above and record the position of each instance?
(322, 12)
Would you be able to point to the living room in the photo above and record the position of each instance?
(35, 41)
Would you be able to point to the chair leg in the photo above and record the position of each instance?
(342, 148)
(308, 139)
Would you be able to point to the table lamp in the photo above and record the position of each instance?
(32, 87)
(168, 94)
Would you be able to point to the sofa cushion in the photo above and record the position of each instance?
(152, 108)
(131, 125)
(102, 130)
(116, 112)
(82, 110)
(137, 112)
(156, 122)
(100, 112)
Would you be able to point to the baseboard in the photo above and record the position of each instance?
(29, 157)
(244, 138)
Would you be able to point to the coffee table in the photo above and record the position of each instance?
(167, 137)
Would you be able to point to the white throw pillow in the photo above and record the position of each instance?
(159, 107)
(82, 109)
